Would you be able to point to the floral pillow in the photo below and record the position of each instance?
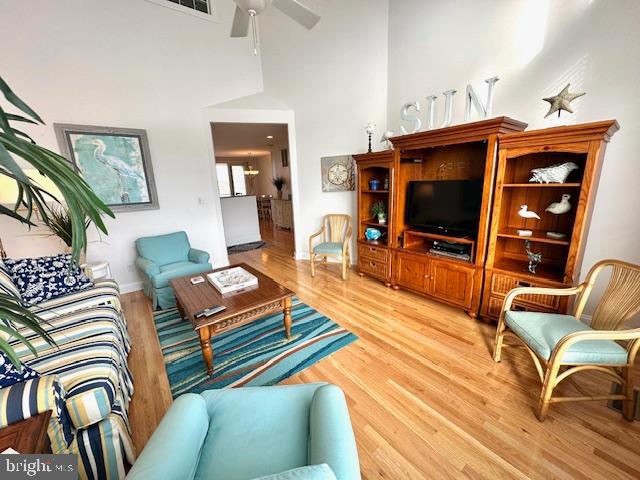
(9, 374)
(46, 278)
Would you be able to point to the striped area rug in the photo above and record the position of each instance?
(255, 354)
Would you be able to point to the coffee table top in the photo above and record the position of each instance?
(195, 298)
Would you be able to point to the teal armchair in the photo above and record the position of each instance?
(290, 432)
(164, 257)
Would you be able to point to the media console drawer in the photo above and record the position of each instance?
(503, 284)
(373, 252)
(373, 267)
(495, 307)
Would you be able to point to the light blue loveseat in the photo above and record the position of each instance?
(248, 433)
(164, 257)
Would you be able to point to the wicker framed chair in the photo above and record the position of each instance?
(561, 345)
(336, 235)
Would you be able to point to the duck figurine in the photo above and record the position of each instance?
(524, 212)
(558, 208)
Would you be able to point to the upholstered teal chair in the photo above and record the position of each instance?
(248, 433)
(164, 257)
(561, 345)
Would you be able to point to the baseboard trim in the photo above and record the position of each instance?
(130, 287)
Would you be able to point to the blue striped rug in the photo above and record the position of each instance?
(255, 354)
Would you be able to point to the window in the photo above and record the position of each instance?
(224, 183)
(239, 185)
(230, 181)
(197, 5)
(202, 9)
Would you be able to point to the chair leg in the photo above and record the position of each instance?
(344, 267)
(547, 390)
(313, 267)
(627, 409)
(497, 350)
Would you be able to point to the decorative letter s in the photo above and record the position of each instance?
(404, 115)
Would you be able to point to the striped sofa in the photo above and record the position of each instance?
(90, 364)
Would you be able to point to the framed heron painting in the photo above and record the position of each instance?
(115, 162)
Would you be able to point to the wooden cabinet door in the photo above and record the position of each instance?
(451, 282)
(411, 271)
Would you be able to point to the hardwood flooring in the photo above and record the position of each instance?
(426, 399)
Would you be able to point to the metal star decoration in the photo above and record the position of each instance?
(562, 101)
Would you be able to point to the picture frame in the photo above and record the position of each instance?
(284, 153)
(338, 173)
(115, 162)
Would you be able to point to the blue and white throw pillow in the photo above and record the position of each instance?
(9, 374)
(7, 286)
(46, 278)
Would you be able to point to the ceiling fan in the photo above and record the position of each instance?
(248, 10)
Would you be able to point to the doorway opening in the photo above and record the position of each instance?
(254, 183)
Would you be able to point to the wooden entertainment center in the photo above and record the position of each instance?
(403, 257)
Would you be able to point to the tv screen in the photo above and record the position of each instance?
(445, 206)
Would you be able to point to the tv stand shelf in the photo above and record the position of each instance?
(539, 236)
(417, 241)
(372, 222)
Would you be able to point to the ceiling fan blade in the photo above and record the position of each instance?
(240, 26)
(298, 12)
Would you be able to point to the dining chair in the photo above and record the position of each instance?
(562, 345)
(336, 235)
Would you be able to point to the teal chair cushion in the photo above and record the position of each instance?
(256, 431)
(174, 448)
(542, 332)
(311, 472)
(164, 249)
(328, 247)
(175, 270)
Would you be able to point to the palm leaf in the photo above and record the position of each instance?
(16, 102)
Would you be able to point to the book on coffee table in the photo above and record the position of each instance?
(232, 280)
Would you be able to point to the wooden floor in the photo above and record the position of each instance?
(426, 399)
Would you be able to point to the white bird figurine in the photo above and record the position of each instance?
(387, 134)
(524, 212)
(563, 206)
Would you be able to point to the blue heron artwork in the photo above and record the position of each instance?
(114, 164)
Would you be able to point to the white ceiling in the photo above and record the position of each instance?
(242, 139)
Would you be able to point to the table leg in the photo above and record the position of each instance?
(286, 304)
(181, 311)
(207, 351)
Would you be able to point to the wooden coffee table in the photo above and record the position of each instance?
(243, 306)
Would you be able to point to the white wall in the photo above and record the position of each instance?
(240, 216)
(334, 78)
(131, 63)
(536, 47)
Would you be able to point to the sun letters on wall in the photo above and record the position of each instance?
(338, 173)
(115, 162)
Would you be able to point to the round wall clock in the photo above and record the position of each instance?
(337, 174)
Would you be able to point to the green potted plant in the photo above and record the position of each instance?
(279, 182)
(82, 204)
(379, 211)
(60, 225)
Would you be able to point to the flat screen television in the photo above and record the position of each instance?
(444, 206)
